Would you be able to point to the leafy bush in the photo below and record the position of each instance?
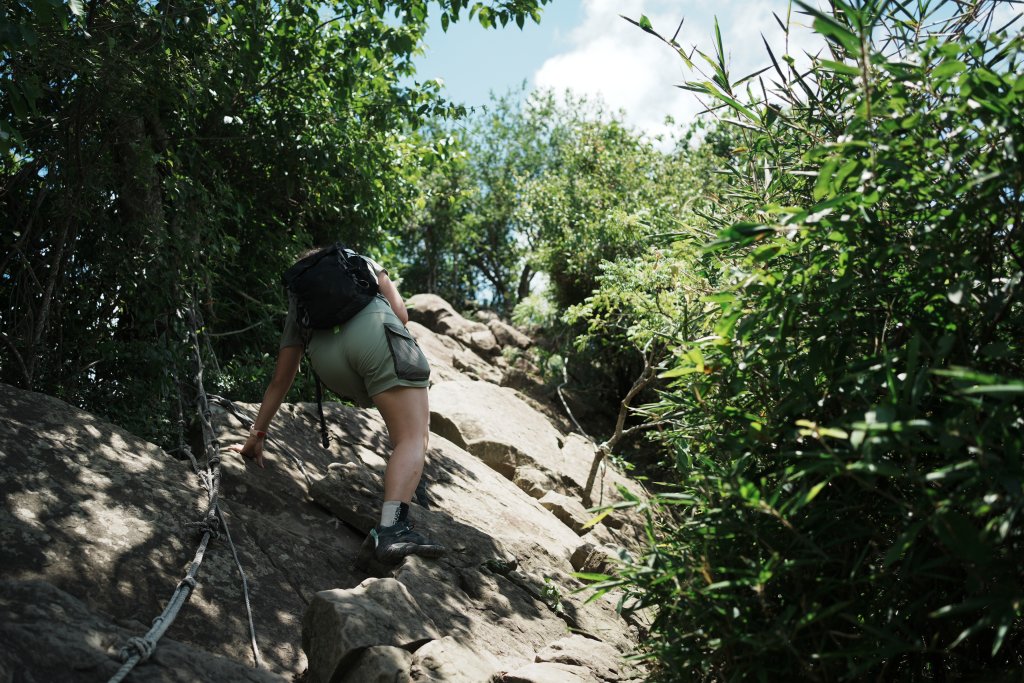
(157, 154)
(847, 423)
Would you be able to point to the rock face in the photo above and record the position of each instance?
(48, 635)
(438, 315)
(341, 624)
(95, 535)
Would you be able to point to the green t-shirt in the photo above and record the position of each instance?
(292, 333)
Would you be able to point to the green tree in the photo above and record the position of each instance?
(604, 209)
(432, 242)
(472, 237)
(161, 155)
(845, 407)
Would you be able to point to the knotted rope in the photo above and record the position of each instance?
(140, 649)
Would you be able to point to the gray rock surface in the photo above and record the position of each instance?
(549, 672)
(595, 559)
(601, 658)
(449, 661)
(506, 335)
(450, 359)
(379, 664)
(95, 537)
(438, 315)
(533, 481)
(340, 624)
(102, 515)
(494, 424)
(569, 511)
(49, 636)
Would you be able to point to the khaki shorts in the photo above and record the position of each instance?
(371, 353)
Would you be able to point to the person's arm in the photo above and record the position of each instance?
(390, 292)
(285, 370)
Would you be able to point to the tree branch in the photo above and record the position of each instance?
(244, 329)
(565, 404)
(645, 378)
(21, 362)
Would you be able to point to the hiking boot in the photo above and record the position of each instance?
(392, 543)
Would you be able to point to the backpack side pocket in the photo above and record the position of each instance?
(410, 363)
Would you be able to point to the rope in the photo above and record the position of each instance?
(245, 591)
(601, 450)
(324, 438)
(140, 649)
(565, 404)
(205, 527)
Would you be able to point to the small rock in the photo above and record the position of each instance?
(576, 650)
(380, 664)
(569, 511)
(547, 672)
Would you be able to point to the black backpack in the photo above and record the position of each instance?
(330, 287)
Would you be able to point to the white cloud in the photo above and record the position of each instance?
(633, 71)
(1005, 12)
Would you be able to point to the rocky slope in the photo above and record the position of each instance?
(95, 539)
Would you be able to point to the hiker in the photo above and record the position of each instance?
(371, 359)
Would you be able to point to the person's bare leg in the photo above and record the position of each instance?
(407, 415)
(406, 412)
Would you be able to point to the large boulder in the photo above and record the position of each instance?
(499, 426)
(503, 547)
(49, 635)
(506, 335)
(568, 510)
(428, 310)
(489, 527)
(449, 661)
(87, 504)
(551, 672)
(602, 659)
(379, 664)
(450, 359)
(102, 515)
(493, 423)
(340, 624)
(438, 315)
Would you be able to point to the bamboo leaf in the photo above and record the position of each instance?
(596, 519)
(829, 27)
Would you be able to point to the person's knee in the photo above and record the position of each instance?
(406, 415)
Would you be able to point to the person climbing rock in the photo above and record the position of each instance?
(371, 359)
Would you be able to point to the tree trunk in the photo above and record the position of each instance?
(525, 278)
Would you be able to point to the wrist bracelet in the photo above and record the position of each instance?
(259, 434)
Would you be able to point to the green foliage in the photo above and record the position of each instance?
(471, 237)
(846, 404)
(535, 312)
(606, 189)
(431, 242)
(649, 295)
(606, 213)
(156, 154)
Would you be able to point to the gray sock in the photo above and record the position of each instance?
(389, 512)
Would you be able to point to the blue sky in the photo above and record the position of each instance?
(584, 45)
(472, 60)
